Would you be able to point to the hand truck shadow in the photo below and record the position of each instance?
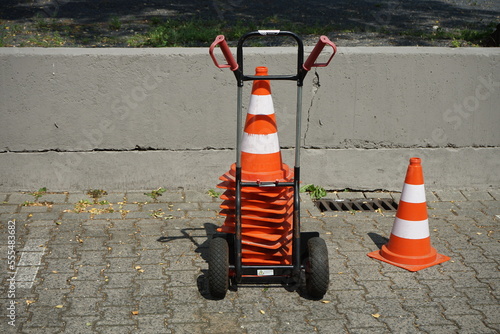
(203, 248)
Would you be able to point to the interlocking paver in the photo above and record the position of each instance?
(363, 318)
(60, 265)
(473, 195)
(44, 316)
(89, 273)
(119, 280)
(441, 288)
(455, 306)
(81, 307)
(222, 322)
(20, 198)
(470, 324)
(50, 298)
(152, 323)
(31, 209)
(79, 324)
(401, 325)
(55, 281)
(102, 270)
(120, 250)
(5, 208)
(429, 314)
(480, 296)
(118, 296)
(90, 258)
(55, 215)
(293, 321)
(88, 243)
(267, 327)
(116, 316)
(450, 195)
(183, 328)
(75, 216)
(185, 313)
(351, 299)
(3, 197)
(194, 196)
(85, 288)
(490, 312)
(201, 213)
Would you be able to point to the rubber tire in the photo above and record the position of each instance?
(317, 269)
(218, 268)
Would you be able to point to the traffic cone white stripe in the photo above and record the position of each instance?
(260, 144)
(261, 105)
(413, 193)
(411, 229)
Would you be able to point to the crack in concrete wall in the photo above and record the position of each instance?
(283, 148)
(315, 87)
(140, 149)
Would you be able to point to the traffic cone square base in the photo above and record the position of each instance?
(439, 258)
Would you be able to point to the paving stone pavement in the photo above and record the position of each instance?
(135, 265)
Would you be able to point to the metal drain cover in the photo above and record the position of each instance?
(363, 204)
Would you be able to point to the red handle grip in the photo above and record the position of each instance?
(310, 62)
(231, 62)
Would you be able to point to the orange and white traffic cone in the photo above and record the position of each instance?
(409, 246)
(266, 214)
(260, 148)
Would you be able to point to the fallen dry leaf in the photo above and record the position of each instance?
(29, 302)
(135, 312)
(376, 315)
(262, 311)
(59, 306)
(325, 301)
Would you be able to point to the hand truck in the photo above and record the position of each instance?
(309, 251)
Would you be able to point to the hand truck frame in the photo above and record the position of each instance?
(309, 252)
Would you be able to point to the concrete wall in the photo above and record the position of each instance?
(75, 119)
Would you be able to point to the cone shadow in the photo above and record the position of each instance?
(378, 240)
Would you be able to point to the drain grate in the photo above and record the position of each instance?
(363, 204)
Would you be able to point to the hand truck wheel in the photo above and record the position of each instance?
(317, 271)
(218, 268)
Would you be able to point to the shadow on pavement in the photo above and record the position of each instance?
(378, 240)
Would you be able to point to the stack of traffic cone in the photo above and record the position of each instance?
(266, 213)
(409, 246)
